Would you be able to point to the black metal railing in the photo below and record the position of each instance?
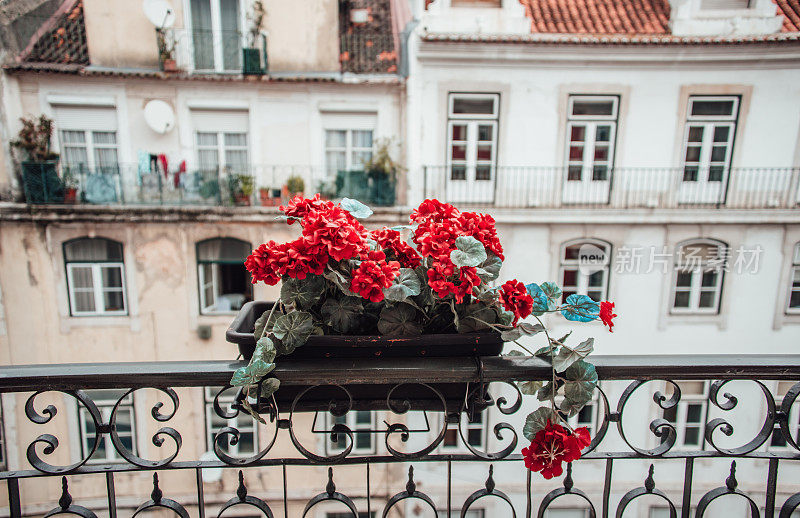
(419, 398)
(619, 187)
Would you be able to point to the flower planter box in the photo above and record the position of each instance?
(240, 333)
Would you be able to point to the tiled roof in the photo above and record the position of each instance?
(61, 39)
(630, 17)
(371, 47)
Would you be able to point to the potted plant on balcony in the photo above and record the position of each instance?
(347, 291)
(382, 172)
(39, 164)
(70, 187)
(166, 50)
(295, 185)
(241, 187)
(251, 56)
(269, 197)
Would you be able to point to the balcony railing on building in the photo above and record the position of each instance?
(202, 50)
(673, 432)
(617, 188)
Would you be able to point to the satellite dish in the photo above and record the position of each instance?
(210, 474)
(159, 116)
(159, 12)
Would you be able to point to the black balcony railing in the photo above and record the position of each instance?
(453, 389)
(619, 188)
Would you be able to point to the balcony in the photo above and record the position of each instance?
(212, 51)
(617, 188)
(646, 444)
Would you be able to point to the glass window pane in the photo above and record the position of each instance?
(363, 417)
(578, 134)
(570, 277)
(721, 133)
(474, 437)
(716, 173)
(92, 249)
(691, 436)
(246, 444)
(600, 173)
(223, 249)
(82, 277)
(601, 153)
(585, 414)
(336, 160)
(671, 414)
(596, 296)
(206, 139)
(681, 299)
(696, 133)
(718, 153)
(335, 138)
(483, 172)
(209, 159)
(794, 300)
(690, 173)
(684, 279)
(124, 420)
(693, 413)
(111, 276)
(693, 153)
(362, 138)
(73, 137)
(113, 301)
(576, 152)
(236, 139)
(712, 108)
(589, 107)
(572, 252)
(574, 173)
(230, 37)
(596, 279)
(473, 106)
(484, 151)
(104, 137)
(778, 440)
(602, 134)
(709, 279)
(458, 152)
(707, 299)
(458, 172)
(363, 441)
(459, 132)
(485, 133)
(236, 160)
(360, 158)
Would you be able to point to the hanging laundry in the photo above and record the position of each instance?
(181, 170)
(162, 159)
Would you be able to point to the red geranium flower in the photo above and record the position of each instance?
(301, 259)
(438, 276)
(371, 277)
(515, 298)
(482, 228)
(392, 242)
(336, 230)
(553, 445)
(468, 276)
(298, 206)
(607, 314)
(262, 263)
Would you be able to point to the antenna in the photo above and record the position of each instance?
(159, 116)
(159, 12)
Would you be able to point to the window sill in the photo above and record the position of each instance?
(69, 322)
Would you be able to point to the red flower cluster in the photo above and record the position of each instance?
(553, 445)
(607, 314)
(392, 242)
(372, 275)
(515, 298)
(298, 206)
(438, 226)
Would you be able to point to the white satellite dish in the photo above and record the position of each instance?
(159, 116)
(210, 474)
(159, 12)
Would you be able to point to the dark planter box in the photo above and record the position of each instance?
(41, 182)
(251, 62)
(241, 329)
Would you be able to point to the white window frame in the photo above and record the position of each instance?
(590, 123)
(220, 149)
(472, 121)
(582, 286)
(105, 406)
(795, 270)
(349, 149)
(709, 124)
(495, 97)
(459, 431)
(697, 269)
(682, 412)
(207, 307)
(350, 422)
(89, 145)
(216, 36)
(242, 422)
(793, 419)
(97, 288)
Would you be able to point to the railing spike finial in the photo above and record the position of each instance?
(156, 495)
(490, 480)
(331, 487)
(241, 491)
(410, 485)
(731, 480)
(568, 482)
(649, 482)
(66, 499)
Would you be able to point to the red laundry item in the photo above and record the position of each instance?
(162, 159)
(181, 170)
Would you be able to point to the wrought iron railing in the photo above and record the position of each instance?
(412, 393)
(619, 187)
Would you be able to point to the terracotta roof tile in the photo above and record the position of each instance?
(631, 17)
(62, 39)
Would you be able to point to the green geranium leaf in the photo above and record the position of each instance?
(489, 269)
(469, 252)
(339, 280)
(304, 293)
(269, 386)
(553, 293)
(265, 350)
(356, 208)
(547, 392)
(541, 304)
(580, 308)
(543, 351)
(251, 374)
(537, 420)
(514, 352)
(571, 408)
(475, 317)
(529, 387)
(292, 331)
(406, 284)
(261, 323)
(247, 408)
(399, 320)
(342, 315)
(568, 355)
(487, 296)
(511, 334)
(505, 317)
(581, 382)
(530, 329)
(400, 228)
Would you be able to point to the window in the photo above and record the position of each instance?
(363, 442)
(95, 277)
(222, 278)
(585, 266)
(216, 37)
(778, 440)
(708, 138)
(472, 136)
(587, 416)
(220, 151)
(248, 438)
(794, 279)
(87, 138)
(689, 415)
(698, 277)
(474, 432)
(347, 149)
(105, 401)
(591, 133)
